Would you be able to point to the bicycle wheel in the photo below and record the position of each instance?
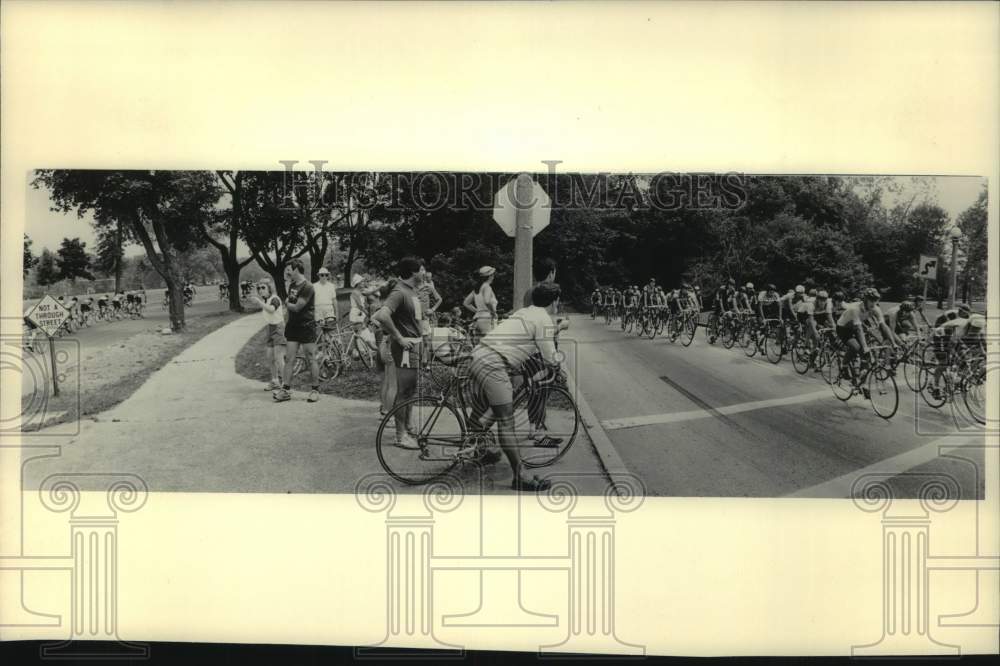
(557, 416)
(974, 394)
(712, 328)
(690, 327)
(934, 396)
(330, 361)
(439, 430)
(801, 356)
(365, 353)
(839, 380)
(882, 392)
(774, 344)
(728, 335)
(748, 340)
(911, 369)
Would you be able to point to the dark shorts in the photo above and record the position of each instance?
(302, 333)
(846, 334)
(802, 317)
(275, 335)
(397, 355)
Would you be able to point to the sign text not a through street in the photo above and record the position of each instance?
(48, 315)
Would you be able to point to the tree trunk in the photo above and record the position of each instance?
(118, 257)
(349, 264)
(278, 277)
(232, 269)
(317, 252)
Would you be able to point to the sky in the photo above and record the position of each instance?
(47, 229)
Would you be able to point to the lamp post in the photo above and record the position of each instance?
(955, 234)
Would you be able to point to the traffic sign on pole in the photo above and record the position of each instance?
(927, 268)
(513, 198)
(48, 315)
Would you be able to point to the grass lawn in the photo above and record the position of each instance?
(111, 374)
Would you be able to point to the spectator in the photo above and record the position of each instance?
(326, 297)
(428, 293)
(544, 270)
(359, 313)
(509, 350)
(399, 318)
(274, 318)
(383, 357)
(300, 330)
(483, 302)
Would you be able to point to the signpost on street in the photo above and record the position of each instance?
(522, 209)
(48, 315)
(927, 270)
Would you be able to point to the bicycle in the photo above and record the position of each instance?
(872, 379)
(333, 356)
(446, 436)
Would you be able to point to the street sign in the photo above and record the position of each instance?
(505, 208)
(48, 315)
(927, 268)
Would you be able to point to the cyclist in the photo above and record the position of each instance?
(595, 302)
(850, 328)
(900, 318)
(509, 350)
(838, 304)
(961, 312)
(966, 331)
(116, 304)
(102, 306)
(188, 291)
(918, 308)
(769, 304)
(85, 307)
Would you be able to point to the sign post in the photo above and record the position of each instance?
(522, 209)
(927, 270)
(49, 315)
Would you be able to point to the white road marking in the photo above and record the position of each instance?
(841, 486)
(658, 419)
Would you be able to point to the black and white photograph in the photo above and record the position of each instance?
(498, 331)
(715, 335)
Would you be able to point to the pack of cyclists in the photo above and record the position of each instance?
(954, 337)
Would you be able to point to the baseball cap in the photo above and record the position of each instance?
(323, 271)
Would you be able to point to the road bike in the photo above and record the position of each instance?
(447, 435)
(962, 371)
(871, 378)
(333, 355)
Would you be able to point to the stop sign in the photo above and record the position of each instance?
(505, 207)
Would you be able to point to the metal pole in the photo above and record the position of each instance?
(954, 274)
(55, 374)
(925, 288)
(522, 239)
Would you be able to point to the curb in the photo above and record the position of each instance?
(612, 464)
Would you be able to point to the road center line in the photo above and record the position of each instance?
(657, 419)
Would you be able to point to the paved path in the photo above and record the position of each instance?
(197, 426)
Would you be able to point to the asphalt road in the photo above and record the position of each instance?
(707, 421)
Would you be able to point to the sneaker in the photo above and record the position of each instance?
(272, 386)
(313, 396)
(281, 395)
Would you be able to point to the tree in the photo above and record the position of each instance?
(272, 228)
(163, 210)
(47, 272)
(29, 259)
(73, 261)
(110, 253)
(972, 222)
(222, 231)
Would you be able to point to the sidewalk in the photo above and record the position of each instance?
(197, 426)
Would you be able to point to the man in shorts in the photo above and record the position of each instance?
(508, 350)
(399, 318)
(300, 330)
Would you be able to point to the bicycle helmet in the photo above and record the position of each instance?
(838, 295)
(918, 299)
(822, 294)
(906, 306)
(732, 281)
(812, 292)
(749, 285)
(771, 287)
(964, 310)
(870, 294)
(799, 289)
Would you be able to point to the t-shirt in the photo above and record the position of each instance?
(278, 316)
(325, 300)
(404, 307)
(303, 291)
(855, 312)
(517, 338)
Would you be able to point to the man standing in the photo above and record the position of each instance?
(326, 297)
(300, 330)
(430, 300)
(544, 270)
(399, 318)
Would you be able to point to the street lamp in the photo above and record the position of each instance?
(955, 234)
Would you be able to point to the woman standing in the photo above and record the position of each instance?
(274, 316)
(383, 358)
(483, 302)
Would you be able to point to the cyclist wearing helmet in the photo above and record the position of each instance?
(769, 303)
(850, 326)
(900, 318)
(918, 309)
(968, 331)
(821, 311)
(838, 304)
(961, 312)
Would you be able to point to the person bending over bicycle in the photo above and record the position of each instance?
(961, 334)
(850, 329)
(509, 349)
